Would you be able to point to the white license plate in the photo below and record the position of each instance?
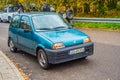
(76, 51)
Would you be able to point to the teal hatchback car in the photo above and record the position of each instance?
(49, 37)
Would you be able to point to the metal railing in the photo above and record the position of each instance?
(107, 20)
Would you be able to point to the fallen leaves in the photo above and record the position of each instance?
(25, 75)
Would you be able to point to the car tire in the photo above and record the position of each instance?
(70, 14)
(9, 19)
(42, 59)
(12, 46)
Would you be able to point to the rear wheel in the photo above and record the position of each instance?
(42, 59)
(12, 46)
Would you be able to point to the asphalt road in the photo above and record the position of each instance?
(103, 65)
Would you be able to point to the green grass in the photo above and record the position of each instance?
(104, 26)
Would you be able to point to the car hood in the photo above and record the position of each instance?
(69, 36)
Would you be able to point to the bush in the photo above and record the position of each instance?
(118, 5)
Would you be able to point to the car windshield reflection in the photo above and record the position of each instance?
(49, 22)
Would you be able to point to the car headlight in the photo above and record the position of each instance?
(58, 46)
(87, 40)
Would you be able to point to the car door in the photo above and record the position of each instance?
(13, 29)
(25, 35)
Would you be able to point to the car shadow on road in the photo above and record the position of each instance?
(30, 59)
(70, 64)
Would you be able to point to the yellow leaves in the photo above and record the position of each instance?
(39, 1)
(25, 75)
(22, 1)
(62, 8)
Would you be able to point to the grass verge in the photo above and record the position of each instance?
(103, 26)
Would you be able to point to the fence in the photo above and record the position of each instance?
(107, 20)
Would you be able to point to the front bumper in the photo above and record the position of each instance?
(61, 55)
(4, 20)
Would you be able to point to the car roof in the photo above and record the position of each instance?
(37, 13)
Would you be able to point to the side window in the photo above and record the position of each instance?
(15, 21)
(25, 23)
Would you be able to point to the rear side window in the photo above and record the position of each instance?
(15, 22)
(25, 23)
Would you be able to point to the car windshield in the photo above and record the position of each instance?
(49, 22)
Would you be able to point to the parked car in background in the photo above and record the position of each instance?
(9, 12)
(48, 36)
(1, 12)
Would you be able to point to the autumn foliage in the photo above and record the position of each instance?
(81, 7)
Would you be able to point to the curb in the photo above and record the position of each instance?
(11, 67)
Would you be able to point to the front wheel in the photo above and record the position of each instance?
(42, 59)
(12, 46)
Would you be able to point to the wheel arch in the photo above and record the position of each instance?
(39, 47)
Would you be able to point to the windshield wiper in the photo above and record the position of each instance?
(44, 29)
(60, 27)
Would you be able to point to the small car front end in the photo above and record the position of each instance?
(69, 53)
(65, 43)
(68, 44)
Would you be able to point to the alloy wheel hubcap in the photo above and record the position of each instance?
(41, 58)
(11, 46)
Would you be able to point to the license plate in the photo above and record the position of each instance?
(76, 51)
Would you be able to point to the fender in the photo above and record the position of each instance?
(39, 46)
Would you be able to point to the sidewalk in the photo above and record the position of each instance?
(8, 71)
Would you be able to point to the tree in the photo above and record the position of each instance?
(111, 4)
